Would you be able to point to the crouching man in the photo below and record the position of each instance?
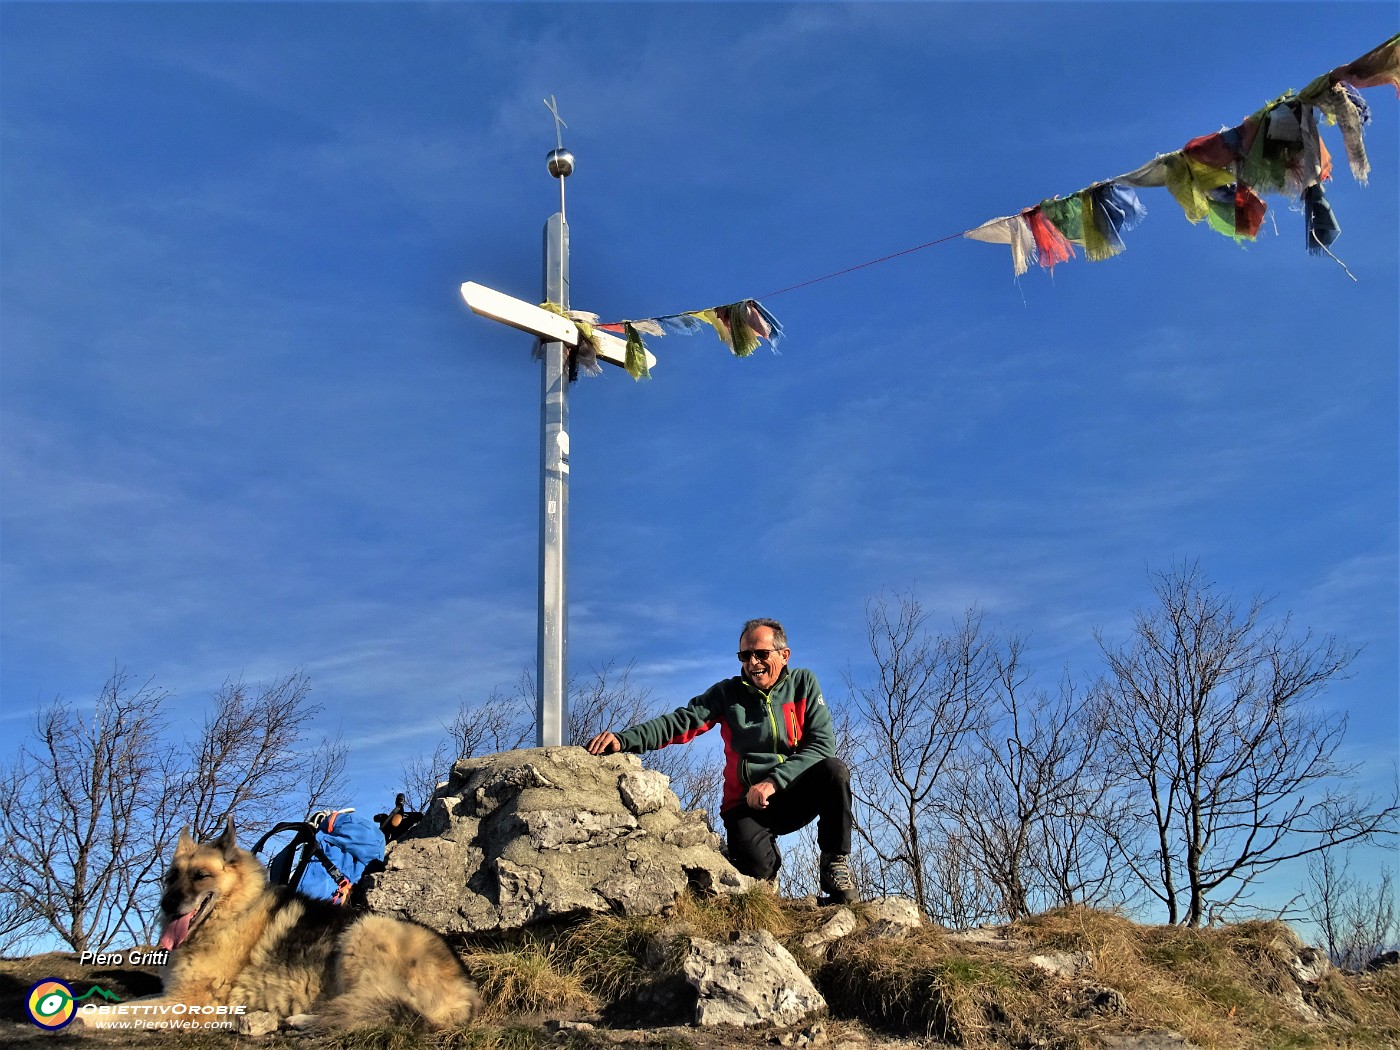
(780, 766)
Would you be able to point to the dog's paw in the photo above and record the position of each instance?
(302, 1022)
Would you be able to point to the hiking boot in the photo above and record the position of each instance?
(836, 880)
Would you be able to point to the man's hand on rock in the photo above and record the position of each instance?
(760, 793)
(604, 744)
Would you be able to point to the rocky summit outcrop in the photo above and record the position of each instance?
(543, 834)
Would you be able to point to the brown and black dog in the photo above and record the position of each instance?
(237, 942)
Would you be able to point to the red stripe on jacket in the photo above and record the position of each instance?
(734, 789)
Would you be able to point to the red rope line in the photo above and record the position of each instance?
(861, 266)
(617, 325)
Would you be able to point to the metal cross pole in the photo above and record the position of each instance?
(555, 333)
(551, 666)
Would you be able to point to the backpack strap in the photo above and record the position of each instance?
(302, 828)
(305, 835)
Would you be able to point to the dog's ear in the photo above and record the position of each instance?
(224, 843)
(184, 844)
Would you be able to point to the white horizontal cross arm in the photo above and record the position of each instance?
(540, 322)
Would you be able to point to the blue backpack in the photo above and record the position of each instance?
(343, 846)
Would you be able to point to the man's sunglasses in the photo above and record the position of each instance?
(762, 654)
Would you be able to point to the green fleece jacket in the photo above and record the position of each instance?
(776, 735)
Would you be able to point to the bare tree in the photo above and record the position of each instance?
(1235, 771)
(84, 810)
(929, 693)
(1358, 920)
(422, 774)
(960, 894)
(1026, 795)
(499, 723)
(324, 781)
(250, 758)
(92, 801)
(18, 925)
(610, 700)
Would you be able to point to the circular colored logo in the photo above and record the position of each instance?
(51, 1004)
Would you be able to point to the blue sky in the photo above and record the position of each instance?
(249, 427)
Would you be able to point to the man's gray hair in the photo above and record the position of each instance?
(779, 635)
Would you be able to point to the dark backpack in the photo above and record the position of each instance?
(342, 847)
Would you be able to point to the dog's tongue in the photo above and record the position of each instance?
(176, 931)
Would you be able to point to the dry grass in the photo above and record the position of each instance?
(606, 952)
(757, 908)
(1224, 988)
(925, 985)
(1229, 988)
(530, 977)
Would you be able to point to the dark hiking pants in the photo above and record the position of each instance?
(823, 794)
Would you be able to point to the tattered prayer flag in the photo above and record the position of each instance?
(1050, 244)
(1339, 109)
(1249, 212)
(1236, 212)
(1217, 177)
(1100, 240)
(1011, 230)
(1067, 213)
(1150, 175)
(1319, 220)
(743, 340)
(740, 327)
(636, 354)
(1217, 150)
(1311, 162)
(775, 327)
(681, 324)
(585, 354)
(1110, 209)
(1190, 182)
(1265, 164)
(711, 318)
(1374, 68)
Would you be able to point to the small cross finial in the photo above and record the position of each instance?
(553, 107)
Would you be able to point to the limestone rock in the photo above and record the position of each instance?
(1063, 964)
(842, 924)
(888, 930)
(547, 833)
(748, 981)
(1309, 965)
(897, 911)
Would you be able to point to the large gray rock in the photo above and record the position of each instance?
(545, 833)
(748, 981)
